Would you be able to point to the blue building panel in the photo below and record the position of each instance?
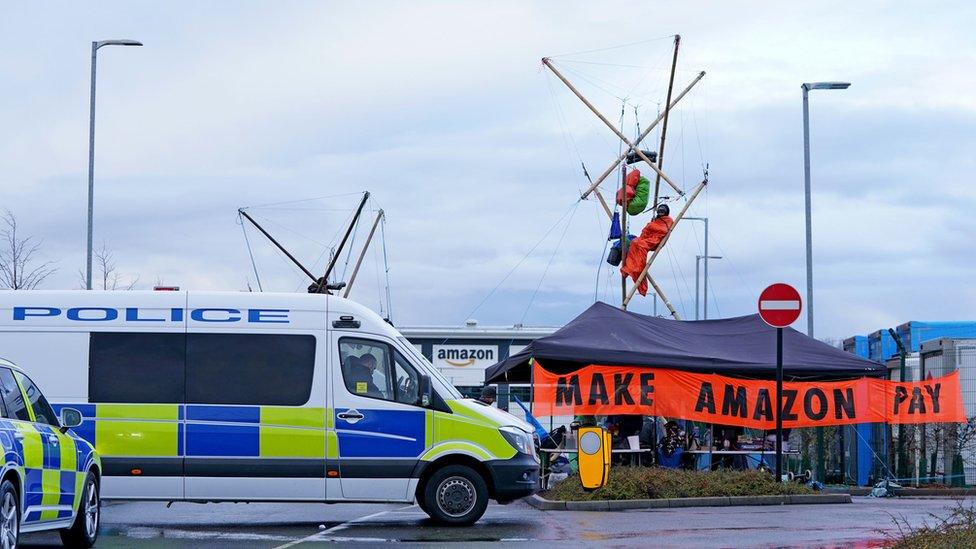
(914, 332)
(857, 345)
(881, 346)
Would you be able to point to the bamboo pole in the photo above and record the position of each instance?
(643, 134)
(362, 254)
(664, 126)
(277, 245)
(633, 147)
(664, 241)
(323, 283)
(603, 202)
(664, 298)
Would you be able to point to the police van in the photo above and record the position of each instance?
(231, 396)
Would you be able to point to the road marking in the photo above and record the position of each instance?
(338, 527)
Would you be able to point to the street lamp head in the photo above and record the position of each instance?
(827, 85)
(117, 43)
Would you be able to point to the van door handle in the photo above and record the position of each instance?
(18, 435)
(352, 415)
(53, 440)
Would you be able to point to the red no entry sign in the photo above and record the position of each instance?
(780, 305)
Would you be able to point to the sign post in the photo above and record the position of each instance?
(779, 306)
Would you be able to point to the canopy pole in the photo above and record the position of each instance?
(664, 126)
(633, 147)
(664, 241)
(362, 254)
(641, 137)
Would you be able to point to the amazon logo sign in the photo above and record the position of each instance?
(465, 356)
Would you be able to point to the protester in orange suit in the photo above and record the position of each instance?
(648, 241)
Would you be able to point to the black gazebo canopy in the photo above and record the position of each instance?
(742, 346)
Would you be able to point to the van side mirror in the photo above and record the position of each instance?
(426, 391)
(70, 418)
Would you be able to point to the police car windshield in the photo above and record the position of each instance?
(454, 393)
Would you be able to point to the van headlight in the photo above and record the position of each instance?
(519, 439)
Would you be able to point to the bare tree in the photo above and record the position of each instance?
(20, 269)
(833, 342)
(106, 269)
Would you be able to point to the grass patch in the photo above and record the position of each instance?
(956, 530)
(653, 483)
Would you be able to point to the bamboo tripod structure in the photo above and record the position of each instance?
(632, 146)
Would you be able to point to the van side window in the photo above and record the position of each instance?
(137, 367)
(12, 398)
(374, 369)
(267, 369)
(43, 413)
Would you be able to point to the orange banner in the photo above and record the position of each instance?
(711, 398)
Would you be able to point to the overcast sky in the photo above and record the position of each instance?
(443, 112)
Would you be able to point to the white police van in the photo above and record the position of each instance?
(205, 396)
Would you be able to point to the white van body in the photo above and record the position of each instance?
(234, 396)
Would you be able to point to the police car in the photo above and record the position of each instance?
(239, 396)
(50, 475)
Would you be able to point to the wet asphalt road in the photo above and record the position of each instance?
(864, 523)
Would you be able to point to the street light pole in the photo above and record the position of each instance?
(705, 257)
(698, 259)
(821, 469)
(91, 146)
(806, 186)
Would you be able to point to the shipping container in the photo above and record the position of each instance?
(857, 345)
(881, 346)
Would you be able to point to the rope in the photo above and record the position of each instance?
(352, 244)
(549, 263)
(386, 268)
(376, 271)
(524, 257)
(728, 260)
(628, 44)
(293, 231)
(604, 64)
(303, 200)
(672, 260)
(561, 117)
(249, 252)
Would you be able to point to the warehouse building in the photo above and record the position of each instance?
(932, 349)
(463, 353)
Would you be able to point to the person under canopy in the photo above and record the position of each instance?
(648, 241)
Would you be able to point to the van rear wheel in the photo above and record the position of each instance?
(455, 495)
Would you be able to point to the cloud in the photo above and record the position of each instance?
(442, 111)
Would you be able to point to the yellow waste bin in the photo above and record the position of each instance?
(593, 444)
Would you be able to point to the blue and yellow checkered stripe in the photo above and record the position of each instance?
(53, 474)
(175, 430)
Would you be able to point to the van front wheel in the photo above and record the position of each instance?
(455, 495)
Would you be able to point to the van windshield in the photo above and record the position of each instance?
(454, 393)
